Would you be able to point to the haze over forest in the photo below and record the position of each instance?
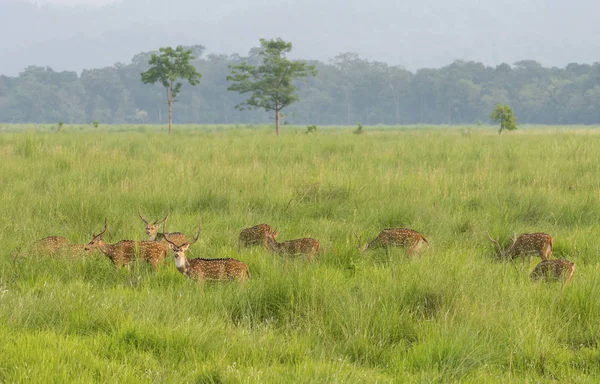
(415, 34)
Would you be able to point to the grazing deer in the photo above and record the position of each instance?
(72, 250)
(207, 269)
(552, 270)
(306, 246)
(49, 245)
(528, 244)
(125, 251)
(256, 235)
(398, 237)
(154, 235)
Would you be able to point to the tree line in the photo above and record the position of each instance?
(346, 90)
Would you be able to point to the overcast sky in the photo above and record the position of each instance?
(411, 33)
(78, 2)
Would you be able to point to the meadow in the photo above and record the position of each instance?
(452, 314)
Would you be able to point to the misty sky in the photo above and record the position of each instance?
(80, 2)
(412, 33)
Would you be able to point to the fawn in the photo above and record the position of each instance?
(398, 237)
(526, 244)
(125, 251)
(54, 245)
(554, 270)
(306, 246)
(49, 245)
(207, 269)
(154, 235)
(256, 235)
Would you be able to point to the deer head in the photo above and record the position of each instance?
(152, 229)
(361, 246)
(499, 250)
(180, 250)
(510, 247)
(97, 240)
(270, 242)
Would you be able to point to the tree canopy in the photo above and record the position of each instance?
(270, 84)
(346, 90)
(169, 66)
(504, 115)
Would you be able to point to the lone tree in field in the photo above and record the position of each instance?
(504, 115)
(271, 84)
(166, 68)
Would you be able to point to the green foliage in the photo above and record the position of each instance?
(96, 124)
(311, 129)
(359, 129)
(169, 66)
(60, 125)
(452, 314)
(504, 115)
(271, 84)
(345, 90)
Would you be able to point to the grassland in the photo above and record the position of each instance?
(451, 314)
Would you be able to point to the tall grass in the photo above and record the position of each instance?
(452, 314)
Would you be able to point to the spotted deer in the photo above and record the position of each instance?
(256, 235)
(397, 237)
(553, 270)
(306, 246)
(207, 269)
(49, 245)
(125, 251)
(72, 250)
(154, 235)
(527, 244)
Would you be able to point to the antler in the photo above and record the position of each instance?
(495, 242)
(490, 237)
(101, 233)
(169, 241)
(163, 220)
(358, 239)
(514, 241)
(142, 217)
(198, 234)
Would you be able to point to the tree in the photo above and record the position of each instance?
(271, 83)
(504, 115)
(170, 65)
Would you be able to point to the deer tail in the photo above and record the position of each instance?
(425, 240)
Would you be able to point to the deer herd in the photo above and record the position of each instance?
(156, 248)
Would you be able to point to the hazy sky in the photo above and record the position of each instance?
(79, 2)
(412, 33)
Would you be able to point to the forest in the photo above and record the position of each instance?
(347, 90)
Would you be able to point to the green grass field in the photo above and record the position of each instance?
(452, 314)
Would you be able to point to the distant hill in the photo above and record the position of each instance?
(423, 33)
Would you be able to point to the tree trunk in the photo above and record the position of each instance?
(170, 116)
(170, 97)
(277, 117)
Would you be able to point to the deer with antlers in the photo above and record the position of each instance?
(125, 251)
(256, 235)
(154, 235)
(207, 269)
(553, 270)
(527, 244)
(305, 246)
(397, 237)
